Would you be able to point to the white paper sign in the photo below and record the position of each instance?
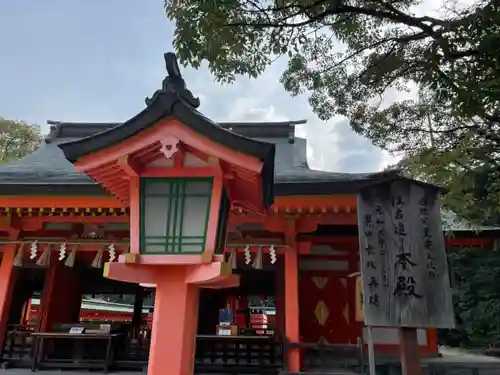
(224, 332)
(76, 330)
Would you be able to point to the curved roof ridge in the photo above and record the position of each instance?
(252, 129)
(221, 123)
(259, 123)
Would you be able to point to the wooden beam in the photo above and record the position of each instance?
(320, 201)
(30, 220)
(59, 201)
(128, 166)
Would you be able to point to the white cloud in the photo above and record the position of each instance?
(387, 160)
(251, 109)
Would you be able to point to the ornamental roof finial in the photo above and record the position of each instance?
(174, 83)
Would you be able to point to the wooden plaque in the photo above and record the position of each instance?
(403, 257)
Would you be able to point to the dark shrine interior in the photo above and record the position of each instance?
(252, 283)
(253, 319)
(33, 278)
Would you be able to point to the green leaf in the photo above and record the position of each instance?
(17, 139)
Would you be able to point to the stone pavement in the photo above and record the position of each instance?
(454, 355)
(453, 362)
(66, 372)
(450, 371)
(16, 371)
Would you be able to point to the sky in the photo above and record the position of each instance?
(95, 60)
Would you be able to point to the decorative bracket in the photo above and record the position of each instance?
(169, 146)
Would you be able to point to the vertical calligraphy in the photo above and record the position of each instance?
(370, 231)
(406, 283)
(427, 236)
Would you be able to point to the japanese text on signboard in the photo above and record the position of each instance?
(403, 258)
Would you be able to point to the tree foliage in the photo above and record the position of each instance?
(346, 55)
(17, 139)
(472, 190)
(476, 285)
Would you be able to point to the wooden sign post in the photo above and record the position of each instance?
(403, 263)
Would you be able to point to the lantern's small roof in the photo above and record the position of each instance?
(168, 103)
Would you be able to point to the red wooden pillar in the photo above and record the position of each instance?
(292, 306)
(280, 300)
(62, 296)
(7, 283)
(355, 327)
(175, 319)
(432, 341)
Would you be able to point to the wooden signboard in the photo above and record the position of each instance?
(403, 258)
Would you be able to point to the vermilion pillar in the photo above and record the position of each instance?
(7, 283)
(355, 326)
(432, 341)
(62, 297)
(292, 306)
(280, 299)
(175, 321)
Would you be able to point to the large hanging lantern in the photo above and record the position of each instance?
(176, 215)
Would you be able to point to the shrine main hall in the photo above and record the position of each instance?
(236, 256)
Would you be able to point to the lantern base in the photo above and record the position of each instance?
(172, 259)
(175, 317)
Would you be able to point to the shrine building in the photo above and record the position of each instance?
(245, 253)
